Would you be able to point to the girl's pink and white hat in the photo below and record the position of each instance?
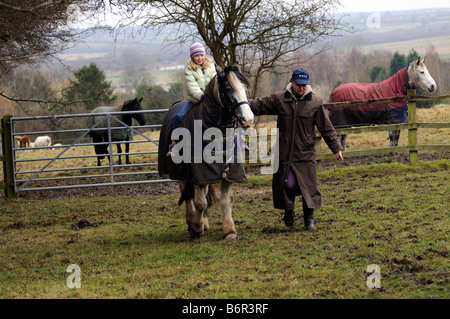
(197, 48)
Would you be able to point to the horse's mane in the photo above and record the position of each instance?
(121, 108)
(236, 78)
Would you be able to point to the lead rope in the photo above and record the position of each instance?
(230, 156)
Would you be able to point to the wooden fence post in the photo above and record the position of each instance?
(8, 171)
(412, 131)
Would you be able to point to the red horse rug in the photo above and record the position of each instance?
(389, 113)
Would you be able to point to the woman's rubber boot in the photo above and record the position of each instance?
(289, 218)
(309, 219)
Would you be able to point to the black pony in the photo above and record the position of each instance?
(119, 132)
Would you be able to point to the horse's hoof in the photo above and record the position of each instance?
(230, 235)
(195, 234)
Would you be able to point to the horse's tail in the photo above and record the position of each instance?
(211, 197)
(189, 192)
(100, 149)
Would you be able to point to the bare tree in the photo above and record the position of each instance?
(32, 31)
(135, 68)
(259, 34)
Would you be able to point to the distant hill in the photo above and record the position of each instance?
(130, 51)
(399, 31)
(139, 51)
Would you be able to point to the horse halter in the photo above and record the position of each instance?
(237, 104)
(227, 104)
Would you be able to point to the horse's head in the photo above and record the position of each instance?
(134, 105)
(418, 75)
(231, 88)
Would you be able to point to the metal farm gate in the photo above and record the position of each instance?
(71, 162)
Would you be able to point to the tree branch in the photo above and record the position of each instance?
(258, 33)
(55, 102)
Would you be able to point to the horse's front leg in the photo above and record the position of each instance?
(127, 151)
(343, 140)
(394, 136)
(196, 211)
(119, 151)
(229, 231)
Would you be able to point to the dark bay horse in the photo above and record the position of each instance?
(119, 132)
(224, 104)
(415, 74)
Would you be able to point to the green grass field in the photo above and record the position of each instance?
(391, 215)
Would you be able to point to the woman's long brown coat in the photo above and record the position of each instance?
(297, 120)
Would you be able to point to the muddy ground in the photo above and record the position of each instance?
(172, 188)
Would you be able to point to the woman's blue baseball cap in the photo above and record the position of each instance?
(301, 77)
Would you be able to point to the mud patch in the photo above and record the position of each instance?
(84, 223)
(277, 230)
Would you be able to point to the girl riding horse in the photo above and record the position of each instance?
(224, 104)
